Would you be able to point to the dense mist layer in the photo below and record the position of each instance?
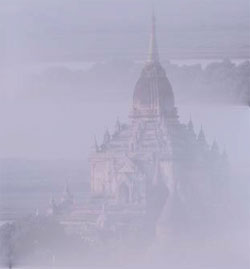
(67, 77)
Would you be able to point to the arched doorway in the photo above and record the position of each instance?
(124, 193)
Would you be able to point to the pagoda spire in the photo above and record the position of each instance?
(201, 136)
(106, 138)
(153, 50)
(66, 188)
(202, 139)
(190, 125)
(215, 147)
(96, 144)
(66, 193)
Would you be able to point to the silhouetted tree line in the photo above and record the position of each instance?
(36, 240)
(218, 82)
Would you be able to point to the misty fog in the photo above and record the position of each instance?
(68, 70)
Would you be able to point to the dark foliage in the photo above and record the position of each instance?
(35, 239)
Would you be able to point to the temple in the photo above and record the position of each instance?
(154, 153)
(149, 170)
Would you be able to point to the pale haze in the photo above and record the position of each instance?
(39, 34)
(68, 70)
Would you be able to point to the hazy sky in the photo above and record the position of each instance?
(55, 30)
(74, 30)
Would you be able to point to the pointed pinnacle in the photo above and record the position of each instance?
(153, 51)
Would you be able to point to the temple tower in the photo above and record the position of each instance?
(153, 95)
